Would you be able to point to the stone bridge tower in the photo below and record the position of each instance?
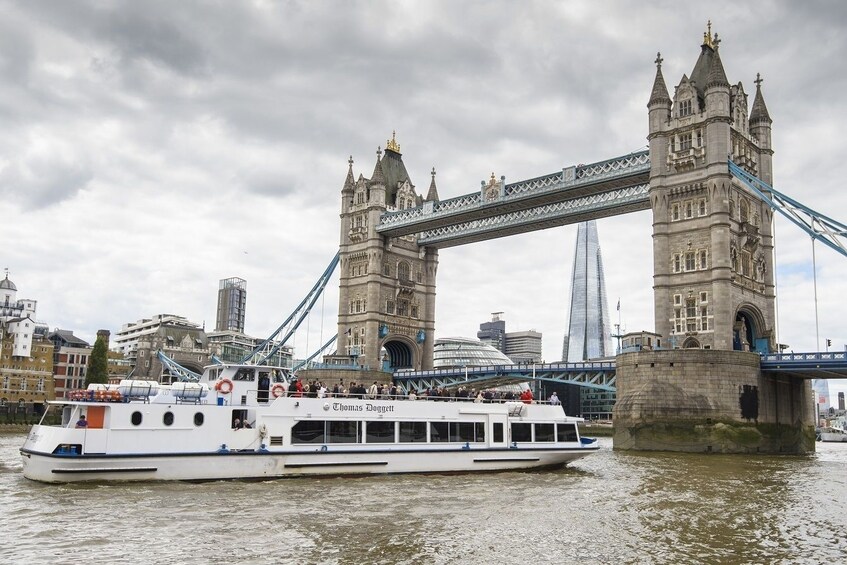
(386, 312)
(712, 238)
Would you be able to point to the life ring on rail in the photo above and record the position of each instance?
(224, 386)
(277, 390)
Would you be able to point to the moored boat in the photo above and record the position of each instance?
(243, 422)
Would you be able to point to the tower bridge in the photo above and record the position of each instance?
(707, 178)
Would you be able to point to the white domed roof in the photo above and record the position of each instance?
(6, 284)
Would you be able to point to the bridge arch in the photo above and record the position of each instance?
(748, 334)
(400, 352)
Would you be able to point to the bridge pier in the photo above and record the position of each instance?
(705, 400)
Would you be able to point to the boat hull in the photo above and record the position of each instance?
(266, 465)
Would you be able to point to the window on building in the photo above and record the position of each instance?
(701, 208)
(403, 271)
(402, 307)
(689, 261)
(684, 108)
(704, 297)
(689, 209)
(704, 319)
(685, 141)
(414, 311)
(745, 264)
(386, 269)
(699, 138)
(389, 306)
(675, 212)
(676, 263)
(677, 299)
(702, 259)
(745, 210)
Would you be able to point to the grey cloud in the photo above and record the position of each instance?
(44, 177)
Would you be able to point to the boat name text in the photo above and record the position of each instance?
(368, 407)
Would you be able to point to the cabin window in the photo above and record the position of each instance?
(498, 432)
(544, 432)
(136, 418)
(379, 432)
(244, 374)
(412, 432)
(566, 432)
(168, 418)
(344, 432)
(521, 432)
(439, 431)
(198, 419)
(308, 431)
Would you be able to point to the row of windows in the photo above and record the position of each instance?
(688, 209)
(690, 261)
(381, 431)
(167, 418)
(23, 384)
(686, 141)
(402, 307)
(404, 271)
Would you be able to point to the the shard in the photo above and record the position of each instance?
(589, 333)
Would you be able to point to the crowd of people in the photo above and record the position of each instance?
(382, 391)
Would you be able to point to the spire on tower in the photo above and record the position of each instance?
(391, 144)
(432, 195)
(759, 112)
(717, 76)
(349, 182)
(660, 90)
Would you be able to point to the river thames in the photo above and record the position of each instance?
(611, 507)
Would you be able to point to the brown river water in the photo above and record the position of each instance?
(611, 507)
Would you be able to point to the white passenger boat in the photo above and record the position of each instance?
(833, 435)
(191, 431)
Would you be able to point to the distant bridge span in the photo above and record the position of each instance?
(602, 375)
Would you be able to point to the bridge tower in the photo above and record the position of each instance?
(712, 238)
(386, 312)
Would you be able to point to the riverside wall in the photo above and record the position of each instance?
(703, 400)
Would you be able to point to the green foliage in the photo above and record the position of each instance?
(98, 364)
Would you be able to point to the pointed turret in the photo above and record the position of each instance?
(759, 112)
(432, 195)
(760, 127)
(350, 181)
(660, 90)
(378, 177)
(717, 76)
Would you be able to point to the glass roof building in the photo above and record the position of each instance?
(464, 352)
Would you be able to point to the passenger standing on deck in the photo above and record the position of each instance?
(82, 422)
(554, 399)
(374, 391)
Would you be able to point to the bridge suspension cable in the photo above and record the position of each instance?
(176, 369)
(821, 228)
(262, 352)
(320, 351)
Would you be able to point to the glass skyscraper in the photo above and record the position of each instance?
(589, 334)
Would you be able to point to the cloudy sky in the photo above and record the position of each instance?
(149, 149)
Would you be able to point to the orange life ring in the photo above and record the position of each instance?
(277, 390)
(224, 386)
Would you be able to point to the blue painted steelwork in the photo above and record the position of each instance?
(177, 369)
(821, 365)
(591, 374)
(259, 356)
(820, 227)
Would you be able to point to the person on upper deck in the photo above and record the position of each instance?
(554, 399)
(82, 422)
(526, 396)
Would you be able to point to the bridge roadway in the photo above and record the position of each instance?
(602, 375)
(574, 194)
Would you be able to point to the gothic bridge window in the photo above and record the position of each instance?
(685, 108)
(386, 269)
(403, 271)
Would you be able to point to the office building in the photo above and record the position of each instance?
(232, 305)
